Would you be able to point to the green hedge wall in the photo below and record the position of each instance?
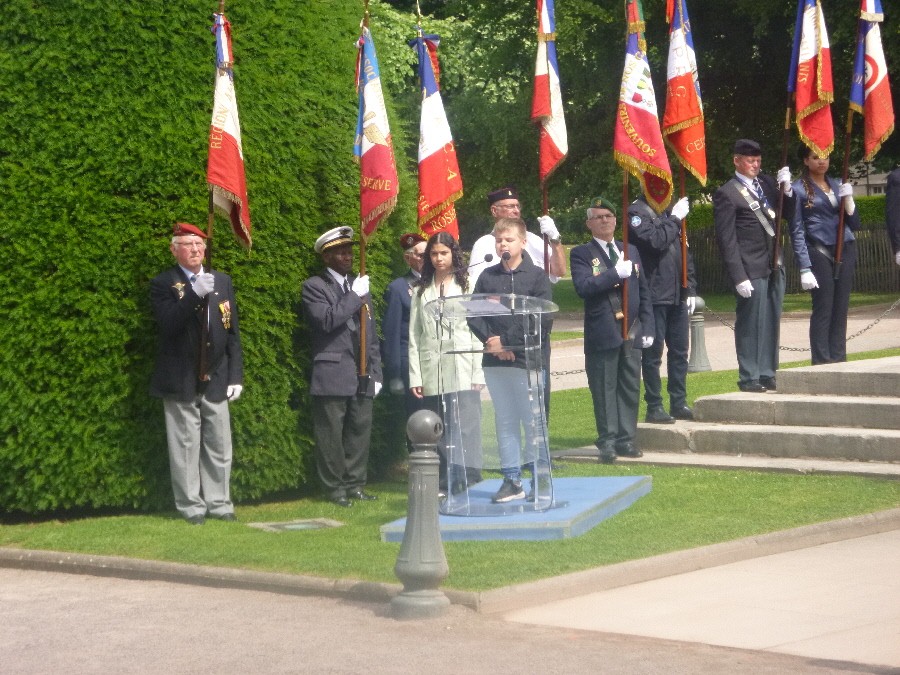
(104, 112)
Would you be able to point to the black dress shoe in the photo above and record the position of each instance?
(658, 416)
(629, 450)
(682, 413)
(341, 501)
(227, 517)
(361, 496)
(607, 453)
(752, 388)
(196, 520)
(768, 383)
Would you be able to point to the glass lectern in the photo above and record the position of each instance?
(470, 443)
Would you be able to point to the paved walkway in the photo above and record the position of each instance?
(568, 355)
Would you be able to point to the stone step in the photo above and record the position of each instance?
(870, 412)
(875, 377)
(878, 445)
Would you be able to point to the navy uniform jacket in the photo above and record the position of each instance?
(178, 311)
(395, 351)
(332, 316)
(816, 221)
(658, 239)
(892, 209)
(744, 245)
(601, 329)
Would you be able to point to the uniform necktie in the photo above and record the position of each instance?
(193, 278)
(346, 285)
(757, 187)
(613, 256)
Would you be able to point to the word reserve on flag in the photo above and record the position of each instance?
(440, 183)
(810, 78)
(378, 186)
(683, 126)
(637, 144)
(225, 163)
(870, 93)
(547, 105)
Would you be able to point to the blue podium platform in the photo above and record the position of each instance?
(581, 504)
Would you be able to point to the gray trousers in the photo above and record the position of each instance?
(614, 378)
(342, 426)
(756, 328)
(199, 438)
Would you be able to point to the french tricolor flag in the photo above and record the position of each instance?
(810, 78)
(378, 185)
(225, 164)
(440, 183)
(547, 104)
(683, 126)
(870, 92)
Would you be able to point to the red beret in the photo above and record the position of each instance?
(186, 229)
(410, 239)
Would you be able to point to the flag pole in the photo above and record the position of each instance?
(776, 249)
(684, 265)
(546, 210)
(211, 215)
(624, 253)
(362, 376)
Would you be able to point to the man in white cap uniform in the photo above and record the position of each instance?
(342, 399)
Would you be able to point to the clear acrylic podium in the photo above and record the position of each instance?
(470, 441)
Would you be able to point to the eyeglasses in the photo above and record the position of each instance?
(509, 207)
(191, 244)
(605, 216)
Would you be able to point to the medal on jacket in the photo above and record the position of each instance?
(179, 288)
(595, 266)
(225, 311)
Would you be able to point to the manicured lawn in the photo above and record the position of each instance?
(687, 507)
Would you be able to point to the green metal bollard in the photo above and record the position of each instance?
(421, 564)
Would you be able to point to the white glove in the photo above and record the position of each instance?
(744, 289)
(845, 192)
(548, 227)
(897, 257)
(396, 386)
(377, 387)
(204, 285)
(784, 180)
(647, 342)
(808, 280)
(233, 393)
(360, 285)
(681, 208)
(691, 303)
(623, 268)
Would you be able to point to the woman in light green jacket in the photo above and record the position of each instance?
(450, 384)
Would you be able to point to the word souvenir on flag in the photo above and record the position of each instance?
(637, 143)
(809, 78)
(378, 185)
(547, 105)
(683, 126)
(225, 163)
(440, 183)
(870, 92)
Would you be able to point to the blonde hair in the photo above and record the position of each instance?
(506, 224)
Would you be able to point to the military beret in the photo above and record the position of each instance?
(601, 203)
(186, 229)
(410, 239)
(337, 236)
(508, 192)
(746, 147)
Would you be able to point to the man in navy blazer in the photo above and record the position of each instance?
(744, 212)
(892, 212)
(600, 272)
(342, 400)
(191, 305)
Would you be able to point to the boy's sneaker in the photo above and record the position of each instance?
(510, 490)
